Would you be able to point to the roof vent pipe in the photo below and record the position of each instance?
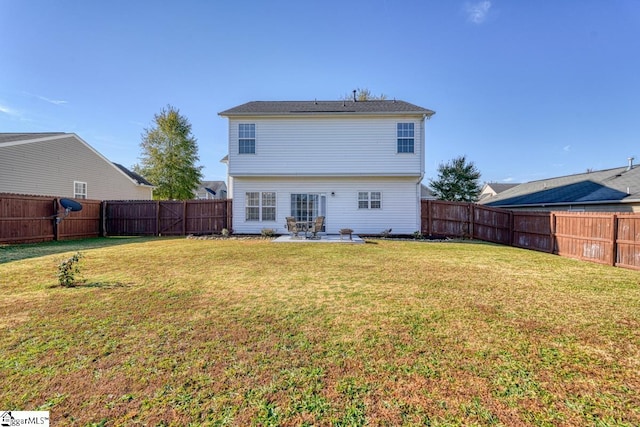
(354, 95)
(630, 163)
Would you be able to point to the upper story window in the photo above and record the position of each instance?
(405, 138)
(246, 138)
(369, 200)
(79, 190)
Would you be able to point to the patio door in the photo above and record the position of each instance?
(305, 207)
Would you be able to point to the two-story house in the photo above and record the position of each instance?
(358, 164)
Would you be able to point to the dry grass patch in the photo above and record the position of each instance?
(212, 332)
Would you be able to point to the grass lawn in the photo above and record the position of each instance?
(212, 332)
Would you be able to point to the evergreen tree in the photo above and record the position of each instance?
(457, 181)
(169, 155)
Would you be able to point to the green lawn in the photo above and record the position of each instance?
(222, 332)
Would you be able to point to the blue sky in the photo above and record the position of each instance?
(525, 89)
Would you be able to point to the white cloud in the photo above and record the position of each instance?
(508, 179)
(567, 148)
(53, 101)
(477, 12)
(8, 111)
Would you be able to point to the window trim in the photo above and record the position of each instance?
(405, 135)
(370, 200)
(260, 206)
(246, 138)
(80, 195)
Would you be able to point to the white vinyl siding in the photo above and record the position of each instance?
(49, 167)
(326, 146)
(400, 210)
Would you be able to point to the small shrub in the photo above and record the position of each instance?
(68, 269)
(418, 235)
(267, 232)
(225, 232)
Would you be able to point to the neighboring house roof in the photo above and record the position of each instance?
(426, 193)
(136, 177)
(212, 187)
(492, 189)
(618, 185)
(499, 188)
(325, 107)
(12, 137)
(8, 139)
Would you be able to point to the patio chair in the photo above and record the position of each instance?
(317, 226)
(292, 226)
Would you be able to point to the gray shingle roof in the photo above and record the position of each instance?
(609, 185)
(500, 187)
(136, 177)
(12, 137)
(325, 107)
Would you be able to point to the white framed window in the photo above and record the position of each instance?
(405, 138)
(79, 190)
(269, 206)
(260, 206)
(246, 138)
(369, 200)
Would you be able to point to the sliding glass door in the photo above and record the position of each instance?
(305, 207)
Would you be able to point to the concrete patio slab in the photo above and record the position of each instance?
(324, 238)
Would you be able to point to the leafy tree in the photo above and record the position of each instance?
(169, 154)
(365, 95)
(457, 181)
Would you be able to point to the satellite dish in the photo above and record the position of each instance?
(70, 205)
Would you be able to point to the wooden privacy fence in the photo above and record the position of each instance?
(605, 238)
(165, 218)
(28, 219)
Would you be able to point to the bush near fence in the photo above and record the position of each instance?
(606, 238)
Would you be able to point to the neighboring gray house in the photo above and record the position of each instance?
(492, 189)
(357, 163)
(426, 193)
(609, 190)
(64, 165)
(211, 190)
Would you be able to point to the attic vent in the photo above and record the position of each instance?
(630, 166)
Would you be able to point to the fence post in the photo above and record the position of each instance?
(614, 239)
(55, 219)
(472, 221)
(511, 227)
(184, 217)
(429, 218)
(103, 220)
(552, 236)
(157, 231)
